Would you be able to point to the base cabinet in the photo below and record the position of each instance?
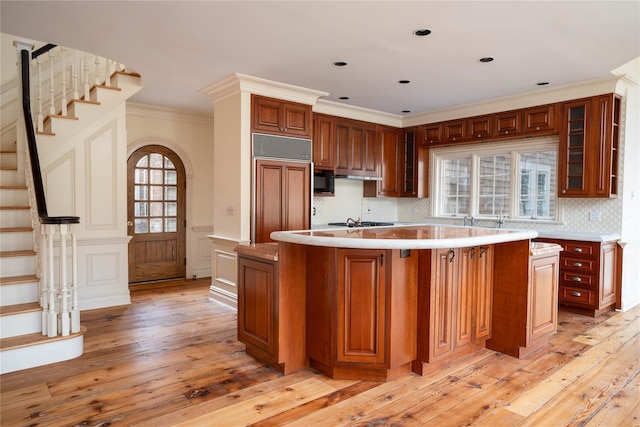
(454, 304)
(373, 296)
(271, 318)
(525, 297)
(587, 276)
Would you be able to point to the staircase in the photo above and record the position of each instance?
(23, 291)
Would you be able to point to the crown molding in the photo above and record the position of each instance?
(164, 113)
(333, 108)
(522, 100)
(238, 83)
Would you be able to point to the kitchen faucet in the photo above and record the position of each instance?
(500, 219)
(357, 222)
(472, 221)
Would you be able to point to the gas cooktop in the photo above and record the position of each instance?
(362, 224)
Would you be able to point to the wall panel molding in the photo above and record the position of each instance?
(100, 178)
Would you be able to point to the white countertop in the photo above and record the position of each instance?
(579, 235)
(403, 237)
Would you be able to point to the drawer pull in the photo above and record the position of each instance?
(577, 249)
(577, 279)
(576, 293)
(577, 264)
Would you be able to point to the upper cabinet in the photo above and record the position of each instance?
(540, 120)
(324, 142)
(280, 117)
(588, 148)
(356, 148)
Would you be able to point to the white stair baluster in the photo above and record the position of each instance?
(107, 75)
(52, 318)
(44, 279)
(75, 309)
(63, 291)
(40, 124)
(74, 74)
(85, 78)
(52, 107)
(97, 62)
(63, 83)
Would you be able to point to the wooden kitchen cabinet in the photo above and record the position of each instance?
(454, 131)
(525, 297)
(588, 148)
(357, 150)
(433, 134)
(454, 304)
(361, 311)
(390, 152)
(540, 120)
(508, 123)
(480, 127)
(587, 276)
(324, 142)
(283, 198)
(271, 316)
(280, 117)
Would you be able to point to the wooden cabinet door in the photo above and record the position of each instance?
(389, 160)
(324, 144)
(441, 302)
(343, 146)
(539, 119)
(455, 131)
(408, 164)
(280, 117)
(607, 275)
(483, 293)
(283, 197)
(463, 296)
(480, 127)
(362, 305)
(508, 123)
(542, 315)
(433, 134)
(371, 154)
(256, 304)
(606, 146)
(573, 149)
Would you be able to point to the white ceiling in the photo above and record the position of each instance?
(180, 47)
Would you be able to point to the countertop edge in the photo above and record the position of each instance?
(340, 242)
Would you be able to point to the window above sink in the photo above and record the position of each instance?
(513, 180)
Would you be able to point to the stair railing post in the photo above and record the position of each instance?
(52, 106)
(97, 63)
(43, 283)
(75, 309)
(40, 125)
(85, 77)
(74, 74)
(63, 289)
(107, 74)
(63, 83)
(50, 311)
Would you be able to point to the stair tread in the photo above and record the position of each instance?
(85, 101)
(13, 187)
(33, 339)
(14, 208)
(15, 229)
(14, 280)
(26, 307)
(8, 168)
(45, 133)
(8, 152)
(26, 252)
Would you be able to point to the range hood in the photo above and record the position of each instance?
(359, 177)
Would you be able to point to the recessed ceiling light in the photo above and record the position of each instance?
(421, 33)
(404, 82)
(340, 64)
(542, 83)
(344, 98)
(406, 111)
(486, 59)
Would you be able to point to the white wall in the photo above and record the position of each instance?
(190, 136)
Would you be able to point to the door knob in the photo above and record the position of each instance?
(129, 223)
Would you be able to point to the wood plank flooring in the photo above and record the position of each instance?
(171, 359)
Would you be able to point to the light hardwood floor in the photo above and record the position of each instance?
(171, 358)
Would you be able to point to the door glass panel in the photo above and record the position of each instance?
(156, 225)
(155, 179)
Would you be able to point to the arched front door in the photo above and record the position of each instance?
(156, 214)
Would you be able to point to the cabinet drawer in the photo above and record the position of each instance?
(578, 264)
(577, 295)
(573, 278)
(582, 249)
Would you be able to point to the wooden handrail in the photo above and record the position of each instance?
(41, 202)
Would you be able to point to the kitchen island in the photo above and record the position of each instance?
(378, 302)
